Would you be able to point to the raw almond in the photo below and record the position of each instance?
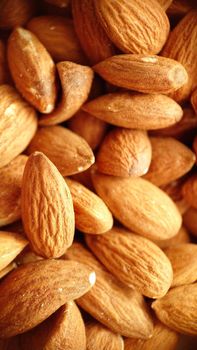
(91, 214)
(194, 100)
(177, 309)
(134, 27)
(76, 81)
(181, 237)
(15, 13)
(135, 72)
(124, 153)
(47, 208)
(7, 269)
(101, 338)
(171, 160)
(189, 191)
(174, 191)
(32, 69)
(190, 220)
(134, 110)
(118, 307)
(69, 152)
(139, 205)
(53, 282)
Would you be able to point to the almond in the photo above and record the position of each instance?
(135, 72)
(181, 237)
(177, 309)
(124, 153)
(47, 209)
(6, 270)
(76, 81)
(53, 282)
(139, 205)
(27, 256)
(174, 191)
(101, 338)
(189, 191)
(15, 13)
(165, 4)
(134, 110)
(128, 24)
(118, 307)
(91, 214)
(10, 190)
(59, 3)
(180, 8)
(69, 152)
(32, 69)
(84, 178)
(194, 100)
(171, 159)
(190, 220)
(58, 36)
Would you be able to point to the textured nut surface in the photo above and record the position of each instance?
(101, 338)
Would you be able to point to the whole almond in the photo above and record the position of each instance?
(127, 24)
(32, 69)
(194, 100)
(76, 81)
(118, 307)
(16, 132)
(53, 282)
(181, 237)
(135, 72)
(177, 309)
(47, 208)
(190, 220)
(91, 213)
(15, 13)
(134, 110)
(69, 152)
(101, 338)
(125, 153)
(189, 191)
(139, 205)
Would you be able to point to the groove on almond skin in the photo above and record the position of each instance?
(127, 110)
(47, 208)
(76, 81)
(139, 205)
(56, 281)
(69, 152)
(118, 307)
(101, 338)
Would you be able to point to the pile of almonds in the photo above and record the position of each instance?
(98, 183)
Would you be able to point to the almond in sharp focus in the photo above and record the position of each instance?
(135, 72)
(69, 152)
(139, 205)
(32, 69)
(15, 13)
(76, 81)
(135, 110)
(190, 220)
(53, 282)
(189, 191)
(101, 338)
(177, 309)
(124, 153)
(47, 208)
(118, 307)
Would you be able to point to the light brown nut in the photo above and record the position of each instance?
(32, 69)
(53, 282)
(165, 4)
(190, 220)
(63, 330)
(16, 132)
(181, 237)
(135, 72)
(139, 205)
(69, 152)
(91, 213)
(171, 160)
(189, 191)
(11, 244)
(10, 190)
(124, 153)
(101, 338)
(174, 190)
(134, 110)
(177, 309)
(118, 307)
(194, 100)
(76, 81)
(58, 36)
(47, 208)
(127, 24)
(7, 269)
(15, 13)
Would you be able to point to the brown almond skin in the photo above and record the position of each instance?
(101, 338)
(189, 191)
(56, 281)
(47, 208)
(76, 81)
(174, 191)
(184, 269)
(194, 100)
(91, 213)
(139, 205)
(32, 70)
(181, 237)
(171, 160)
(65, 329)
(119, 308)
(15, 13)
(135, 72)
(180, 8)
(177, 309)
(69, 152)
(7, 270)
(190, 220)
(128, 110)
(124, 153)
(122, 21)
